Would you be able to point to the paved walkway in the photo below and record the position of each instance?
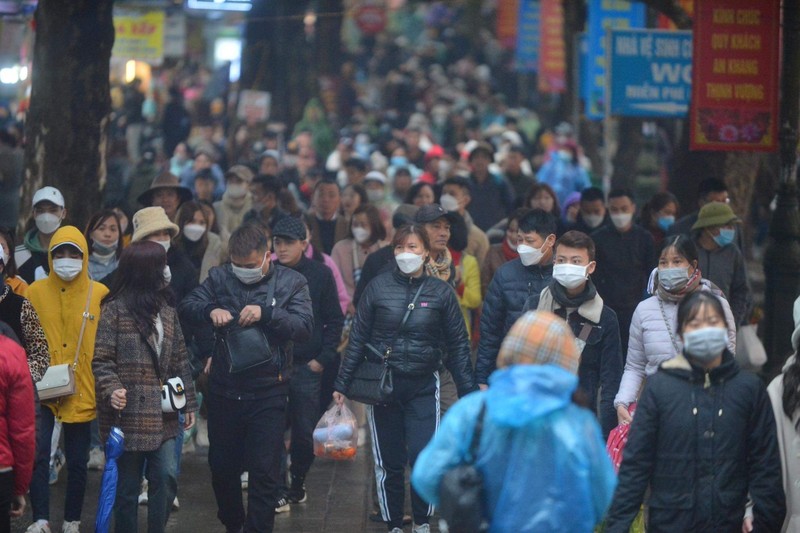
(338, 500)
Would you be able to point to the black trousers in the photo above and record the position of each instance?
(400, 430)
(6, 497)
(246, 435)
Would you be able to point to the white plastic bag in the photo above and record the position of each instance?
(750, 352)
(336, 434)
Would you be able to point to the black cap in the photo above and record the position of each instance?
(432, 212)
(290, 228)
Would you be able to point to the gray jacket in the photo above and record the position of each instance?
(725, 268)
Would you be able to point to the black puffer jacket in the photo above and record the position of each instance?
(701, 441)
(435, 325)
(290, 320)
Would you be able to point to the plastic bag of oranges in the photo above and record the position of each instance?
(336, 435)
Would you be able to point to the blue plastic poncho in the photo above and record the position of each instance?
(542, 457)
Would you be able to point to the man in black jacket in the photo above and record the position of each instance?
(247, 409)
(311, 357)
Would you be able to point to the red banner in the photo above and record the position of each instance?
(552, 55)
(735, 75)
(507, 15)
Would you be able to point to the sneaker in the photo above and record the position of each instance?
(97, 459)
(55, 468)
(143, 493)
(396, 530)
(297, 490)
(282, 506)
(176, 505)
(245, 477)
(40, 526)
(422, 528)
(71, 527)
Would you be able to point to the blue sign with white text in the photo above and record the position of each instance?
(651, 73)
(528, 36)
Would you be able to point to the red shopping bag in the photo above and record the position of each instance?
(617, 440)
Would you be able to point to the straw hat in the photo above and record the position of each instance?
(165, 180)
(150, 220)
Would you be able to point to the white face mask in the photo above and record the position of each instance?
(592, 220)
(530, 255)
(570, 276)
(361, 235)
(375, 195)
(705, 344)
(236, 191)
(47, 223)
(167, 275)
(165, 244)
(194, 232)
(409, 262)
(249, 276)
(622, 220)
(67, 268)
(448, 202)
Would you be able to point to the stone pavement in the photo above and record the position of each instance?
(338, 500)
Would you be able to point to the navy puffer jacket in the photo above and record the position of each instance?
(434, 327)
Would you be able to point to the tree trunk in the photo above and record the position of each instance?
(70, 103)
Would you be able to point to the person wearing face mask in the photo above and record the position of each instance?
(704, 440)
(652, 339)
(236, 200)
(375, 183)
(61, 300)
(513, 285)
(105, 242)
(203, 247)
(435, 322)
(720, 259)
(592, 213)
(456, 197)
(367, 235)
(658, 215)
(625, 258)
(245, 408)
(502, 252)
(49, 212)
(564, 173)
(572, 296)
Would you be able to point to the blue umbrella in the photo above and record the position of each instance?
(115, 445)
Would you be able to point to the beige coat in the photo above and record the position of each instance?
(789, 444)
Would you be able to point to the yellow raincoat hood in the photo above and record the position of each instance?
(60, 305)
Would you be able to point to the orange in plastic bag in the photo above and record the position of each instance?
(336, 435)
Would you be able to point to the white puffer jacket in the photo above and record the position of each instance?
(650, 344)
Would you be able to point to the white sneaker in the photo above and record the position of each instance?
(201, 438)
(71, 527)
(422, 528)
(143, 493)
(245, 480)
(282, 506)
(97, 459)
(176, 506)
(40, 526)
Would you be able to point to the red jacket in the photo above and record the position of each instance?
(17, 415)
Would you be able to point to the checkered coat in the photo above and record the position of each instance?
(122, 359)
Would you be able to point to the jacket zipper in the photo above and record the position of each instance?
(707, 382)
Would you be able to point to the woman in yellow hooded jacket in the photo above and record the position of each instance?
(64, 301)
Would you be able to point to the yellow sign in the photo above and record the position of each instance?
(140, 36)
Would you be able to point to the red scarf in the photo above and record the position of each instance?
(508, 252)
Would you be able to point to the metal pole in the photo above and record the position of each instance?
(782, 256)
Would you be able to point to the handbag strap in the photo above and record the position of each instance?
(409, 308)
(476, 434)
(669, 328)
(85, 318)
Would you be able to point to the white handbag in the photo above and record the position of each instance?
(173, 395)
(59, 380)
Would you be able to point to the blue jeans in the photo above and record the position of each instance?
(162, 477)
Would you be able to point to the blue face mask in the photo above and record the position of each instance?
(725, 237)
(666, 222)
(399, 161)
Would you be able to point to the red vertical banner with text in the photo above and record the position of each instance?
(507, 21)
(735, 75)
(552, 55)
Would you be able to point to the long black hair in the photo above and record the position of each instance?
(139, 283)
(791, 391)
(683, 245)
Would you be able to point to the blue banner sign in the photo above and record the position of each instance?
(528, 36)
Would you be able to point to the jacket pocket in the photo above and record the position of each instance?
(671, 492)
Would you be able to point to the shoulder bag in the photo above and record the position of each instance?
(372, 381)
(461, 498)
(173, 392)
(59, 380)
(248, 347)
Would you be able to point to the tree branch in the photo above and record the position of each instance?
(671, 10)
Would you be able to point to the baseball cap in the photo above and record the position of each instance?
(290, 228)
(48, 194)
(375, 176)
(433, 212)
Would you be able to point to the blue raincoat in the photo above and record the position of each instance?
(542, 457)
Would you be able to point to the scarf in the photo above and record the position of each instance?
(508, 252)
(676, 294)
(568, 302)
(440, 267)
(459, 281)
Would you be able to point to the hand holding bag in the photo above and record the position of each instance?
(59, 380)
(248, 347)
(372, 381)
